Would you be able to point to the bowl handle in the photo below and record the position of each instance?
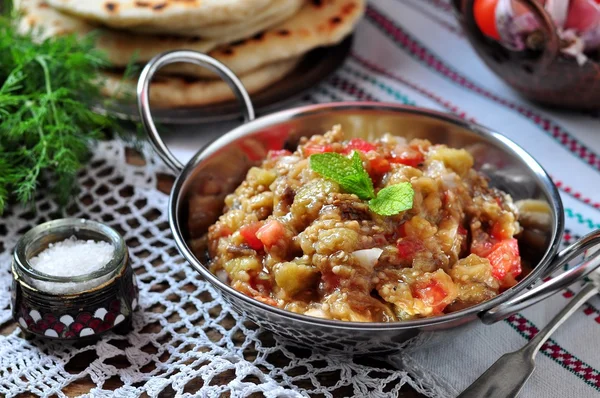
(552, 47)
(171, 57)
(554, 285)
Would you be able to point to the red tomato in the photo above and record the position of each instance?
(462, 230)
(484, 12)
(432, 293)
(313, 149)
(379, 166)
(271, 233)
(505, 260)
(407, 248)
(274, 154)
(409, 157)
(499, 232)
(249, 231)
(359, 145)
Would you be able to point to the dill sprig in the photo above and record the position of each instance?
(46, 125)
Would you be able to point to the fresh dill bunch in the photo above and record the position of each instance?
(46, 124)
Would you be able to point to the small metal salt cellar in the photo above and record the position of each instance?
(73, 307)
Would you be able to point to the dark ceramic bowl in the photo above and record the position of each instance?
(196, 202)
(545, 77)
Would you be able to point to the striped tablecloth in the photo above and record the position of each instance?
(413, 52)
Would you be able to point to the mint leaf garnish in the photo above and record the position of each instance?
(332, 165)
(393, 199)
(353, 178)
(349, 173)
(356, 184)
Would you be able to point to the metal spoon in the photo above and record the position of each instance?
(507, 376)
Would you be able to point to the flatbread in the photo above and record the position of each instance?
(175, 92)
(160, 16)
(120, 46)
(233, 31)
(318, 23)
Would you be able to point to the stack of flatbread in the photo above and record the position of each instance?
(260, 40)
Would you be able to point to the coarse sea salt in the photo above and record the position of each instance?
(71, 258)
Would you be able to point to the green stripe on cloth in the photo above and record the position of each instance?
(382, 86)
(581, 220)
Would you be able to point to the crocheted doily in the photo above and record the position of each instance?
(186, 340)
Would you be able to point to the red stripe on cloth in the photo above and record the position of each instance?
(350, 88)
(575, 194)
(404, 40)
(434, 18)
(434, 97)
(558, 354)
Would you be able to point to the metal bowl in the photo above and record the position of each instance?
(195, 204)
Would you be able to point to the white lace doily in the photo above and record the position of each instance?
(186, 340)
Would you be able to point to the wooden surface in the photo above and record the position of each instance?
(83, 386)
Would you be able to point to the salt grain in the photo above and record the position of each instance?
(71, 258)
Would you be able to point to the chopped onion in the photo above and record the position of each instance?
(222, 275)
(450, 180)
(367, 258)
(289, 159)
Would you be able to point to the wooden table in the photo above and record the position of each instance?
(79, 363)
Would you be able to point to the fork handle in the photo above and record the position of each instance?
(536, 343)
(507, 376)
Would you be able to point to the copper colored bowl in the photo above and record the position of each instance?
(546, 77)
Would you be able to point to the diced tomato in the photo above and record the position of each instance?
(432, 293)
(462, 230)
(379, 166)
(314, 149)
(409, 157)
(249, 231)
(274, 154)
(505, 260)
(498, 232)
(407, 248)
(271, 233)
(484, 12)
(359, 145)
